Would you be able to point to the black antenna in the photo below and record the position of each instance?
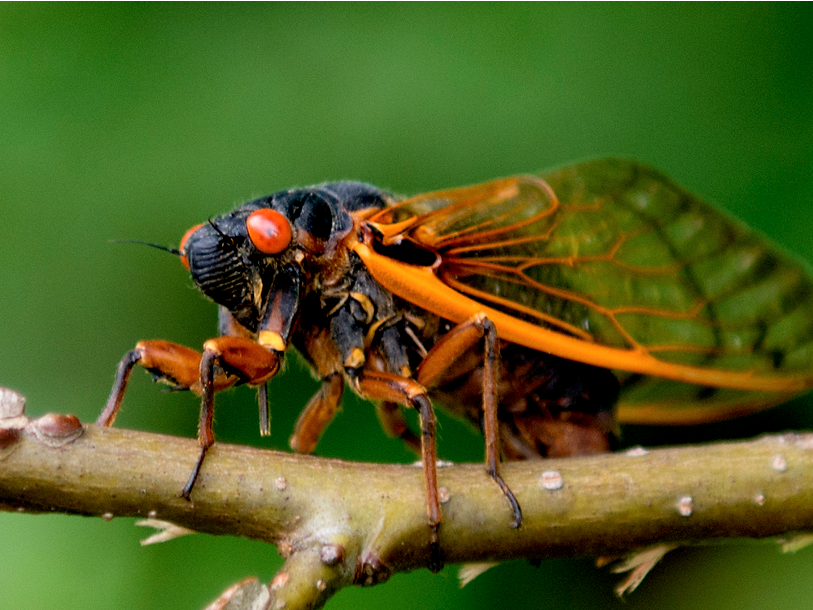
(174, 251)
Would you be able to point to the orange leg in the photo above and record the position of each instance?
(409, 393)
(443, 354)
(396, 389)
(225, 361)
(255, 363)
(317, 414)
(169, 362)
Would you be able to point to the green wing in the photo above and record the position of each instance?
(615, 254)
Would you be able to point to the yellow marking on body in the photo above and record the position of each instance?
(366, 304)
(271, 340)
(355, 359)
(368, 338)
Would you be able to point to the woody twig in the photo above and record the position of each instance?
(338, 523)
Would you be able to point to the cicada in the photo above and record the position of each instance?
(543, 308)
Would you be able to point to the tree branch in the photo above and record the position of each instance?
(338, 523)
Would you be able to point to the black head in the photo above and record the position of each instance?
(234, 258)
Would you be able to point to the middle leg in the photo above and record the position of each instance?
(443, 355)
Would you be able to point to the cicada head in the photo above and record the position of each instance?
(222, 262)
(234, 259)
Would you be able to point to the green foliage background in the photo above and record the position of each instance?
(138, 121)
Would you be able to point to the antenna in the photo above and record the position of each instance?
(174, 251)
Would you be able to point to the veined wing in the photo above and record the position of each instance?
(631, 272)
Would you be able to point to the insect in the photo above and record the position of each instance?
(542, 308)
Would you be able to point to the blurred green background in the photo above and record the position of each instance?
(138, 121)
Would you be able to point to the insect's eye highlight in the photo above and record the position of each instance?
(269, 231)
(182, 246)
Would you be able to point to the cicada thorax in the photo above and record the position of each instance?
(548, 406)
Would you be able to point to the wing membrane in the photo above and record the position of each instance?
(612, 253)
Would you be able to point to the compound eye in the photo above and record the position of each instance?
(269, 231)
(182, 247)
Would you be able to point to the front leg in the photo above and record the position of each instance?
(226, 361)
(177, 365)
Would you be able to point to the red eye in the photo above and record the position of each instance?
(269, 231)
(182, 247)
